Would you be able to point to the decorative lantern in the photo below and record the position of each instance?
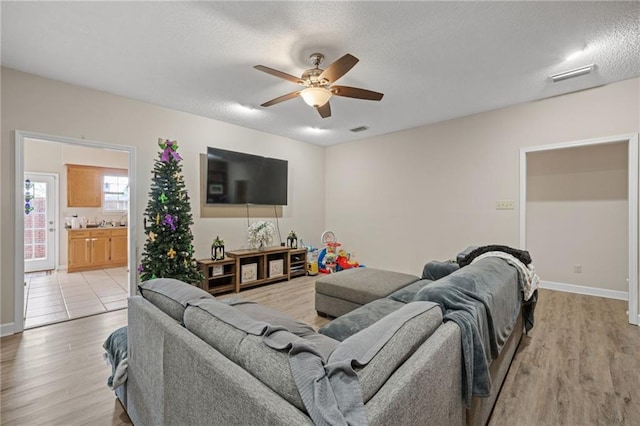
(292, 240)
(217, 249)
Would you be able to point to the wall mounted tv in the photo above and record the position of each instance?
(238, 178)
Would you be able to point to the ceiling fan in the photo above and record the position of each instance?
(317, 84)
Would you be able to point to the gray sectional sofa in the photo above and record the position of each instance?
(197, 360)
(484, 297)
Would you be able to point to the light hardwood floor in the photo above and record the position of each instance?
(580, 365)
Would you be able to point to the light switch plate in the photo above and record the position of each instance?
(505, 205)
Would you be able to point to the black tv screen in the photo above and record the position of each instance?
(238, 178)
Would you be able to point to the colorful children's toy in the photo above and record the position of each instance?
(312, 260)
(330, 259)
(327, 258)
(344, 262)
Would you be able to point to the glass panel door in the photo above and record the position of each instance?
(39, 222)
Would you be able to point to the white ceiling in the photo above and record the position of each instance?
(432, 60)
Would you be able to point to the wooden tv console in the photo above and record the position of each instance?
(247, 268)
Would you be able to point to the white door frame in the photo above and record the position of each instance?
(632, 141)
(56, 213)
(20, 136)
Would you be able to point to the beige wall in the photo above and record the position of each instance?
(52, 157)
(402, 199)
(577, 212)
(396, 200)
(36, 104)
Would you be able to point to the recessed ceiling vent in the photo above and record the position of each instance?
(572, 73)
(359, 129)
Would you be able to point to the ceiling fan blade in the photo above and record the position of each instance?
(281, 99)
(324, 110)
(338, 68)
(354, 92)
(278, 74)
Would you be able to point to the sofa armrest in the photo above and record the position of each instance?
(427, 388)
(147, 327)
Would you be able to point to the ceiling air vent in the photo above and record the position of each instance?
(359, 129)
(572, 73)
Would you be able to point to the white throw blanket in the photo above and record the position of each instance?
(530, 280)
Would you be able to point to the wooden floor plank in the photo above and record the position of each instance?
(56, 374)
(580, 365)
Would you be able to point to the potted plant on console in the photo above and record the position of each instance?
(261, 234)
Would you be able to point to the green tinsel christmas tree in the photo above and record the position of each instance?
(168, 251)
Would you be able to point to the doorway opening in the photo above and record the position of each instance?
(577, 198)
(47, 290)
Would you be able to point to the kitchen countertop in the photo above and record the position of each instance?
(88, 228)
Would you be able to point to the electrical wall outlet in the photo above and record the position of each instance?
(577, 269)
(505, 205)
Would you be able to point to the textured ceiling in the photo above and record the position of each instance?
(432, 60)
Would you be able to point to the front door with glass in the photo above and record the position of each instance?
(39, 222)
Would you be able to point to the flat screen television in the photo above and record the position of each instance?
(239, 178)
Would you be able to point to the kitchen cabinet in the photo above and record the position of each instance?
(96, 249)
(79, 251)
(119, 247)
(100, 250)
(84, 186)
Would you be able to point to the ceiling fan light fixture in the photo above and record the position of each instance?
(317, 84)
(316, 96)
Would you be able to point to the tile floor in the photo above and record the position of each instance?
(58, 296)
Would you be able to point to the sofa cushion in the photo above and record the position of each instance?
(225, 328)
(363, 285)
(351, 323)
(435, 270)
(171, 296)
(324, 344)
(411, 325)
(406, 294)
(373, 354)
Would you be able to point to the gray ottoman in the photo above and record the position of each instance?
(344, 291)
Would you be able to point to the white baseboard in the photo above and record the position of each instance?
(589, 291)
(7, 329)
